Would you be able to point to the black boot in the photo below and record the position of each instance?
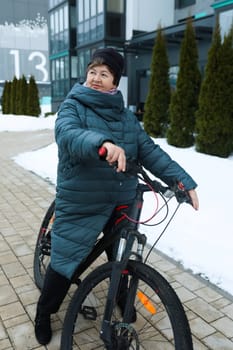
(43, 329)
(54, 291)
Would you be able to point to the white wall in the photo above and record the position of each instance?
(146, 15)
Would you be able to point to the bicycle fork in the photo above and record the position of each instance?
(119, 271)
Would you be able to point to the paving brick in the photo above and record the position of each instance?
(217, 341)
(7, 295)
(185, 294)
(228, 310)
(200, 328)
(225, 326)
(14, 269)
(5, 344)
(208, 294)
(2, 331)
(204, 310)
(11, 310)
(22, 336)
(189, 281)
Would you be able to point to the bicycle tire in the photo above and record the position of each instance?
(43, 246)
(168, 328)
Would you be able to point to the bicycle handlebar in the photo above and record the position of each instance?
(135, 169)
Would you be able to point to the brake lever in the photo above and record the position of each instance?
(181, 194)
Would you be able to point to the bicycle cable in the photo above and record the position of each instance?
(161, 234)
(156, 209)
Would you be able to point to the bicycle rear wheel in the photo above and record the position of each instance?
(43, 247)
(161, 322)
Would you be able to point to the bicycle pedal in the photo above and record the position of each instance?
(89, 312)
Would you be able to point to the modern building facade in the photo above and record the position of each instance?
(24, 42)
(78, 27)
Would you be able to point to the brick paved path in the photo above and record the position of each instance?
(24, 197)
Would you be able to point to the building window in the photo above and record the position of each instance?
(59, 23)
(90, 21)
(115, 19)
(54, 3)
(225, 22)
(173, 74)
(60, 76)
(115, 6)
(184, 3)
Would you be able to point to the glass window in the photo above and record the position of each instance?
(56, 23)
(66, 17)
(100, 26)
(184, 3)
(52, 25)
(93, 8)
(173, 73)
(115, 6)
(53, 70)
(80, 34)
(93, 28)
(80, 10)
(62, 68)
(90, 21)
(74, 67)
(67, 67)
(61, 22)
(225, 22)
(100, 6)
(86, 9)
(81, 67)
(72, 17)
(86, 31)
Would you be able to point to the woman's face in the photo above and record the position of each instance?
(100, 78)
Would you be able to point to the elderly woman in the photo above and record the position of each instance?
(88, 189)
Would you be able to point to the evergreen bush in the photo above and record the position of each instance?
(6, 98)
(184, 100)
(33, 104)
(155, 117)
(214, 118)
(13, 93)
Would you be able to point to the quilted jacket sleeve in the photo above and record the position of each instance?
(71, 134)
(159, 163)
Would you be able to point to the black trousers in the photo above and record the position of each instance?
(53, 293)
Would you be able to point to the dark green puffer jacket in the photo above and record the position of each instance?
(88, 189)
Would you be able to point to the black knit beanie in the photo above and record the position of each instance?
(112, 59)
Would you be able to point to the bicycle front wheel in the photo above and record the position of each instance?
(43, 247)
(161, 322)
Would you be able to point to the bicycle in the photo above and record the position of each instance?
(151, 314)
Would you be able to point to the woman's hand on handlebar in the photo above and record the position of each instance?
(115, 155)
(194, 199)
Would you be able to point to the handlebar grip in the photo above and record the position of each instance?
(102, 152)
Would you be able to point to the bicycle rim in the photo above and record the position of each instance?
(43, 247)
(161, 322)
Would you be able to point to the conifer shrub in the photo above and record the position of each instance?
(214, 118)
(20, 97)
(155, 117)
(6, 101)
(13, 93)
(184, 100)
(33, 104)
(23, 89)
